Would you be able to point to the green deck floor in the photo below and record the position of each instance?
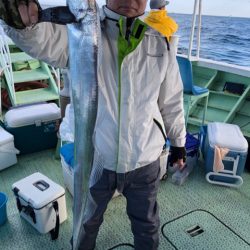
(232, 206)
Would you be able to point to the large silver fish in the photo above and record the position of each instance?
(84, 37)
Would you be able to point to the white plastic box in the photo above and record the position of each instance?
(227, 136)
(68, 177)
(41, 202)
(7, 149)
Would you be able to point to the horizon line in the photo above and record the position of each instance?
(209, 15)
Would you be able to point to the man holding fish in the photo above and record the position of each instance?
(134, 76)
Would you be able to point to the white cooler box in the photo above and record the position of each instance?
(227, 136)
(41, 202)
(67, 150)
(68, 177)
(34, 127)
(7, 149)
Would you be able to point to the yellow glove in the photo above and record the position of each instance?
(158, 20)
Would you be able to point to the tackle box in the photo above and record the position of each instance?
(34, 127)
(41, 202)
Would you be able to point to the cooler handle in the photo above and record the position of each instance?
(41, 185)
(55, 232)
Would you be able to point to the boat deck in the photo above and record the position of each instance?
(228, 230)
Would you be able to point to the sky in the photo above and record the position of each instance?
(239, 8)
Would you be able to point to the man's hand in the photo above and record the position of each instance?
(180, 163)
(19, 14)
(178, 156)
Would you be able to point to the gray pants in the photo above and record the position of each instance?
(140, 189)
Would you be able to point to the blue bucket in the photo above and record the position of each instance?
(3, 212)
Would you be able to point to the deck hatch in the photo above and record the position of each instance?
(200, 229)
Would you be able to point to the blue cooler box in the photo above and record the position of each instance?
(227, 136)
(34, 127)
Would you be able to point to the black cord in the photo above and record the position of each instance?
(122, 244)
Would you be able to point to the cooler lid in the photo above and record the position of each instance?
(38, 190)
(32, 114)
(227, 136)
(5, 137)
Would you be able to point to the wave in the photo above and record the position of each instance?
(225, 39)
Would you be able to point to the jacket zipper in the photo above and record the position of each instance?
(128, 29)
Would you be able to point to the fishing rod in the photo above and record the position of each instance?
(59, 15)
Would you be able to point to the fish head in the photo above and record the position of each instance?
(81, 8)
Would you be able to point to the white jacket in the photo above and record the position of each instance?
(146, 86)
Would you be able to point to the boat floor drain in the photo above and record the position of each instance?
(194, 231)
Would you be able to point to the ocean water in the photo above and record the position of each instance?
(225, 39)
